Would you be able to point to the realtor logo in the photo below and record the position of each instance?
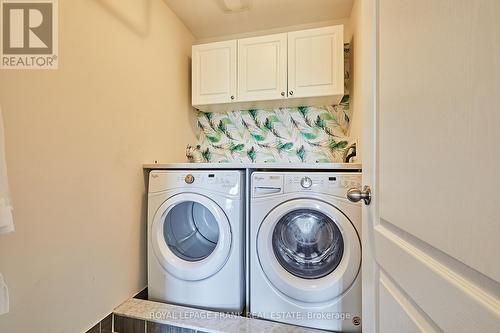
(29, 34)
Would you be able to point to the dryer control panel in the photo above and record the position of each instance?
(332, 183)
(225, 182)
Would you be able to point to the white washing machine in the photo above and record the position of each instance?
(305, 250)
(196, 239)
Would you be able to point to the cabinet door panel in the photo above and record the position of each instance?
(316, 62)
(214, 73)
(262, 68)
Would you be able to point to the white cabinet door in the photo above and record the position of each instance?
(262, 68)
(214, 73)
(316, 62)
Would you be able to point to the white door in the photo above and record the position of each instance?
(431, 156)
(214, 73)
(316, 62)
(262, 68)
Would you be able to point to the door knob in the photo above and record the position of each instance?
(355, 195)
(282, 93)
(290, 92)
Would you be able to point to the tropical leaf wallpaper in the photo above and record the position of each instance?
(285, 135)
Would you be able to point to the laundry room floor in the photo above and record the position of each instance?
(140, 316)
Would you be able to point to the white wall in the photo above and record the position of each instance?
(76, 139)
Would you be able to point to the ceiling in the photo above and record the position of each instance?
(208, 18)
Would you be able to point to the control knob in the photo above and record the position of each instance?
(306, 182)
(189, 179)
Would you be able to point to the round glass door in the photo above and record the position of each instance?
(190, 236)
(308, 250)
(308, 243)
(191, 231)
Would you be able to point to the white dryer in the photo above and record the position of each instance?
(195, 239)
(305, 250)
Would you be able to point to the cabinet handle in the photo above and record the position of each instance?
(291, 92)
(232, 97)
(282, 93)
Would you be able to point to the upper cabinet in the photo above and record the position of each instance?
(262, 68)
(214, 73)
(316, 62)
(281, 70)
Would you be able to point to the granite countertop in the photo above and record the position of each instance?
(207, 321)
(270, 166)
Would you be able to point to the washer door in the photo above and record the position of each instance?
(309, 250)
(191, 236)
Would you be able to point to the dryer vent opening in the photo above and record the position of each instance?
(191, 231)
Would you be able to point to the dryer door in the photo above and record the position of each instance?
(309, 250)
(191, 236)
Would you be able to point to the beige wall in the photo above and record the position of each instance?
(356, 76)
(76, 139)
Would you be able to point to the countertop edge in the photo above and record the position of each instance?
(243, 166)
(197, 319)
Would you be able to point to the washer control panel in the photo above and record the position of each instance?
(332, 183)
